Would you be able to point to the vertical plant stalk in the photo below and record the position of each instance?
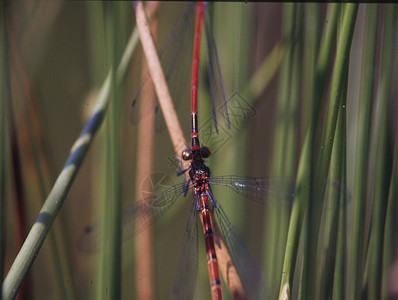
(333, 207)
(110, 255)
(285, 138)
(383, 157)
(363, 147)
(339, 278)
(225, 262)
(143, 243)
(338, 80)
(55, 199)
(305, 169)
(311, 103)
(314, 209)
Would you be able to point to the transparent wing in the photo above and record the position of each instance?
(217, 92)
(260, 190)
(185, 280)
(249, 271)
(135, 218)
(275, 191)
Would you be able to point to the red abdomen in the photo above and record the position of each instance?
(214, 274)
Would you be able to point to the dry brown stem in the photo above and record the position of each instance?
(146, 130)
(159, 81)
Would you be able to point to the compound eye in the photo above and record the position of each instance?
(204, 152)
(186, 154)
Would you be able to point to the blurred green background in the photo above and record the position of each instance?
(59, 55)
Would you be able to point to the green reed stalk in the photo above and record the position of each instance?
(334, 206)
(339, 78)
(338, 291)
(110, 261)
(383, 158)
(309, 117)
(98, 66)
(362, 153)
(305, 169)
(285, 143)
